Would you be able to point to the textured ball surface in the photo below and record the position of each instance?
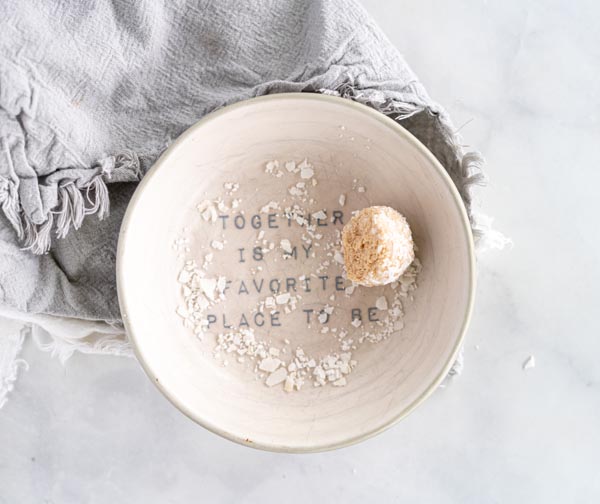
(378, 246)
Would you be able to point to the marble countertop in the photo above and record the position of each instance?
(522, 81)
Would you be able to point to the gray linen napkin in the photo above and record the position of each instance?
(92, 92)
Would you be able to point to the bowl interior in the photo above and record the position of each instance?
(350, 147)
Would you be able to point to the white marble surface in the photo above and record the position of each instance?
(523, 77)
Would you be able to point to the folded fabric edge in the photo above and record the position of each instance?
(11, 342)
(60, 336)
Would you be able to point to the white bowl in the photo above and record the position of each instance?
(345, 141)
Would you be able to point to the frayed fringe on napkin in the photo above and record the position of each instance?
(79, 194)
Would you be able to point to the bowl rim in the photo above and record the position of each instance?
(291, 448)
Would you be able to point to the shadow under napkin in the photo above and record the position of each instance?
(77, 275)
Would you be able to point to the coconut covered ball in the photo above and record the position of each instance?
(378, 246)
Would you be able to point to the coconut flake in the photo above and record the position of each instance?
(307, 173)
(381, 303)
(271, 205)
(271, 166)
(276, 377)
(529, 363)
(286, 245)
(282, 298)
(340, 382)
(269, 364)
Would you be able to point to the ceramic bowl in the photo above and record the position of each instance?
(354, 151)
